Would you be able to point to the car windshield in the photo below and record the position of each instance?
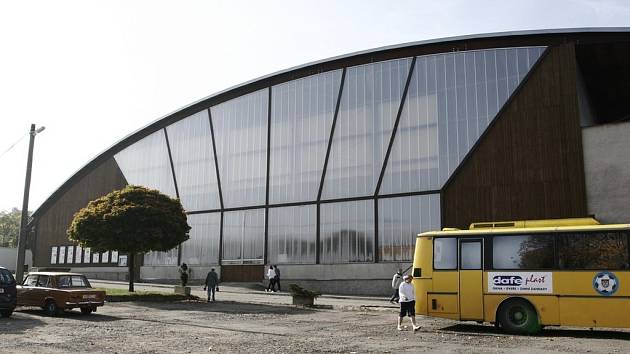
(6, 278)
(72, 281)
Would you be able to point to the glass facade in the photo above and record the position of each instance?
(451, 100)
(292, 234)
(193, 160)
(146, 163)
(347, 232)
(400, 220)
(203, 246)
(301, 119)
(278, 147)
(240, 130)
(244, 236)
(369, 103)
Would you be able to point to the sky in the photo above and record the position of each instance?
(92, 72)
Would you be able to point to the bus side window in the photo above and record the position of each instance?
(445, 253)
(593, 250)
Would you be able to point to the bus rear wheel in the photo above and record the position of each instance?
(517, 316)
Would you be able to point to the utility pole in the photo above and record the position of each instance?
(19, 266)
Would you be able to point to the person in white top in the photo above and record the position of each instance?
(407, 302)
(271, 274)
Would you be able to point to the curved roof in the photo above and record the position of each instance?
(432, 46)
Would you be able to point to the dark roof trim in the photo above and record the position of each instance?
(433, 46)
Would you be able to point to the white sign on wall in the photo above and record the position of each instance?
(520, 282)
(70, 258)
(53, 255)
(62, 254)
(87, 254)
(79, 254)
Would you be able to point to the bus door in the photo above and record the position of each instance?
(471, 279)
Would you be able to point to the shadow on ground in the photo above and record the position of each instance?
(18, 323)
(547, 332)
(72, 315)
(226, 307)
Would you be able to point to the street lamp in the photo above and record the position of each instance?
(19, 267)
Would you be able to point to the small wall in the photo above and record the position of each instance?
(105, 273)
(8, 258)
(171, 273)
(607, 171)
(348, 279)
(343, 279)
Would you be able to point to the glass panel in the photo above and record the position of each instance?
(30, 280)
(400, 220)
(244, 236)
(193, 160)
(114, 257)
(445, 253)
(471, 255)
(292, 234)
(594, 251)
(450, 102)
(301, 119)
(523, 252)
(240, 130)
(347, 232)
(161, 258)
(367, 112)
(43, 281)
(202, 248)
(146, 163)
(6, 278)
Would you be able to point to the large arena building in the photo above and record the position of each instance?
(330, 169)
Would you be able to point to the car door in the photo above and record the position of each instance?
(25, 293)
(42, 291)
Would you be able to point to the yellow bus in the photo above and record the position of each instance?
(522, 275)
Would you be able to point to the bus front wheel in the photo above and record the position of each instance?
(517, 316)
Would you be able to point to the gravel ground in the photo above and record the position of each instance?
(260, 326)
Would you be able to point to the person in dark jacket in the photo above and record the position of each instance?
(275, 267)
(211, 284)
(184, 272)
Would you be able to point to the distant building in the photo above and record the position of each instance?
(330, 169)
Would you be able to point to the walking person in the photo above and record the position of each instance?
(396, 280)
(184, 272)
(212, 283)
(407, 302)
(277, 277)
(271, 274)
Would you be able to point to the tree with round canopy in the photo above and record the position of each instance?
(132, 220)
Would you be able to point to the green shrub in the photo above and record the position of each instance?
(296, 290)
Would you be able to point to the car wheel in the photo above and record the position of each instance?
(517, 316)
(86, 310)
(6, 313)
(51, 308)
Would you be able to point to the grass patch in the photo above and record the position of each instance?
(122, 295)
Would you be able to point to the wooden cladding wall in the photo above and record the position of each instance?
(242, 273)
(529, 163)
(51, 226)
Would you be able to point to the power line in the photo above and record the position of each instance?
(13, 145)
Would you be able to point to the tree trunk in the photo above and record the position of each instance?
(130, 262)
